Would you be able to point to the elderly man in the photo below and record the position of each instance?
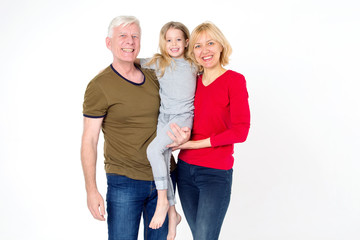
(123, 101)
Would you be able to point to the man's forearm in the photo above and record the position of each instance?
(88, 160)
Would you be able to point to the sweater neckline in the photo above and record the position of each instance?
(216, 79)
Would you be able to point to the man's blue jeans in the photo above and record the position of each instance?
(126, 200)
(205, 196)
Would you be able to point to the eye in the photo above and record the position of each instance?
(197, 46)
(168, 40)
(211, 43)
(135, 36)
(179, 39)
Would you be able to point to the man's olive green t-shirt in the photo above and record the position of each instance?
(130, 113)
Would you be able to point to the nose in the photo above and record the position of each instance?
(130, 40)
(204, 49)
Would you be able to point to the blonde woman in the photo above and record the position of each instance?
(221, 119)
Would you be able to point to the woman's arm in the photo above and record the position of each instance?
(239, 118)
(238, 130)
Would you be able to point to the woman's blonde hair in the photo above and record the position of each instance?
(163, 59)
(216, 35)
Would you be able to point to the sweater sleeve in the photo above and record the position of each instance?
(239, 115)
(144, 62)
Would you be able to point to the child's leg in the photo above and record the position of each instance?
(174, 216)
(166, 199)
(159, 157)
(162, 207)
(174, 220)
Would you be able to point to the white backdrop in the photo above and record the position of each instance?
(296, 178)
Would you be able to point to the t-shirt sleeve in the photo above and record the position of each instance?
(239, 115)
(95, 103)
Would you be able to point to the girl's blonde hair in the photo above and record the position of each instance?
(163, 59)
(216, 35)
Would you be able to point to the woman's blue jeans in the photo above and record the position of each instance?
(127, 199)
(205, 196)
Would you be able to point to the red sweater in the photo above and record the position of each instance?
(221, 113)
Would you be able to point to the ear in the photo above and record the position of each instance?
(187, 43)
(108, 43)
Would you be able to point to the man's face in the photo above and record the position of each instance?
(124, 43)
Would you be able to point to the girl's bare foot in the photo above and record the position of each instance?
(174, 220)
(158, 219)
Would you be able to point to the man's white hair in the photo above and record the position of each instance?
(122, 20)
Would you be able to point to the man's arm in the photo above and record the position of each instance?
(95, 202)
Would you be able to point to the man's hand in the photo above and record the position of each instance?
(96, 205)
(178, 135)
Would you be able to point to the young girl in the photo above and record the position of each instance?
(177, 78)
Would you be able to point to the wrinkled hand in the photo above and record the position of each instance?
(178, 135)
(96, 206)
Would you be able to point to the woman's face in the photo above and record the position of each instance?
(207, 51)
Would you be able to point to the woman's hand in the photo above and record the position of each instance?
(178, 135)
(187, 145)
(181, 137)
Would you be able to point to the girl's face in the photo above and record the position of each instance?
(175, 43)
(207, 51)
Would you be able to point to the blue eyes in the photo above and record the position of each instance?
(209, 44)
(123, 35)
(179, 40)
